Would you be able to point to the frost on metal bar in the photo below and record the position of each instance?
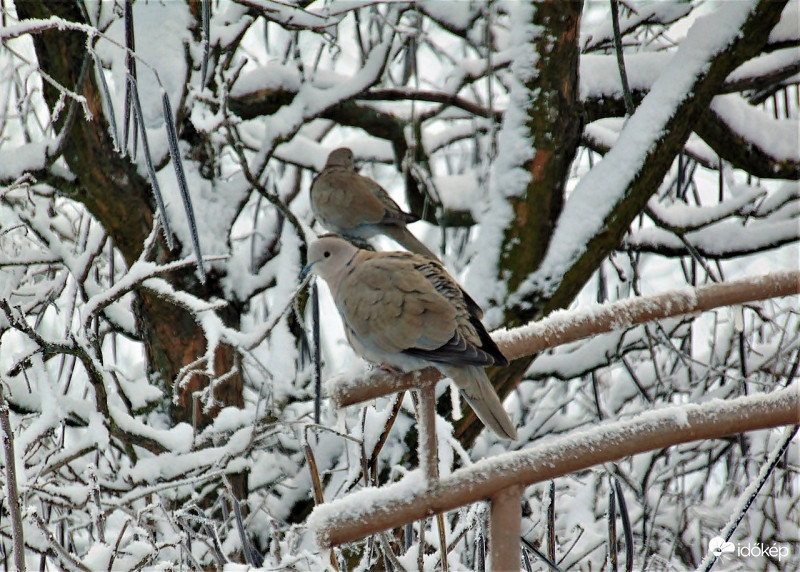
(373, 509)
(570, 325)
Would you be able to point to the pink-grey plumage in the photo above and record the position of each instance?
(404, 310)
(354, 206)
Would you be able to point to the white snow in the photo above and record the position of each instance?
(56, 274)
(600, 190)
(778, 138)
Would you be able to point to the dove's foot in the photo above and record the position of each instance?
(390, 369)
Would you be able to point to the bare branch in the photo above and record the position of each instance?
(11, 484)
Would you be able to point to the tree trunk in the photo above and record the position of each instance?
(122, 201)
(752, 38)
(554, 126)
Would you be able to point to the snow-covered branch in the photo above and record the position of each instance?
(607, 199)
(721, 241)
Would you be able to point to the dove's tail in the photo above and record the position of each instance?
(479, 393)
(404, 238)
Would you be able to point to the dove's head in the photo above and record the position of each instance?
(328, 256)
(341, 157)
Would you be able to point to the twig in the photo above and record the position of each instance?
(116, 545)
(58, 549)
(183, 187)
(623, 75)
(612, 529)
(626, 525)
(151, 171)
(751, 493)
(551, 522)
(97, 513)
(540, 555)
(11, 484)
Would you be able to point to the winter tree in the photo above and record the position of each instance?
(159, 364)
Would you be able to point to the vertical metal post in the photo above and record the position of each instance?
(505, 529)
(428, 455)
(427, 447)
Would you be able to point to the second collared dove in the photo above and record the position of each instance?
(355, 206)
(405, 311)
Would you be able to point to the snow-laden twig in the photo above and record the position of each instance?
(137, 275)
(723, 240)
(680, 217)
(36, 26)
(289, 16)
(62, 554)
(97, 510)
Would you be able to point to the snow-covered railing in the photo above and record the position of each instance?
(502, 479)
(414, 497)
(570, 325)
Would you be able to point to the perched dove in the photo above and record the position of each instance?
(405, 311)
(355, 206)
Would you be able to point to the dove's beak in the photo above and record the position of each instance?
(305, 272)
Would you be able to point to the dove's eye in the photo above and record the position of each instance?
(326, 254)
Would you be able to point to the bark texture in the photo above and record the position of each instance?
(752, 38)
(122, 201)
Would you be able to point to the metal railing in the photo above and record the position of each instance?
(502, 479)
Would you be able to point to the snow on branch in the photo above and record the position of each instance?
(318, 19)
(34, 26)
(570, 325)
(681, 217)
(726, 239)
(745, 135)
(413, 498)
(311, 101)
(601, 204)
(764, 69)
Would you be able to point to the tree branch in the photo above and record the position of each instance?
(659, 156)
(553, 292)
(12, 493)
(742, 152)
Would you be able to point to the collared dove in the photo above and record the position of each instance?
(404, 310)
(355, 206)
